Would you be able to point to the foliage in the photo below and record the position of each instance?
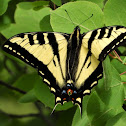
(19, 82)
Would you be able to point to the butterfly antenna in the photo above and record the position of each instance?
(70, 17)
(85, 20)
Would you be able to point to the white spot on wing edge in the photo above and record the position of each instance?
(125, 37)
(41, 72)
(45, 80)
(65, 102)
(78, 99)
(32, 64)
(10, 48)
(58, 99)
(113, 47)
(18, 53)
(87, 91)
(22, 57)
(14, 51)
(52, 89)
(95, 82)
(99, 76)
(27, 60)
(117, 43)
(6, 46)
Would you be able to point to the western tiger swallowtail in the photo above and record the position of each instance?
(70, 64)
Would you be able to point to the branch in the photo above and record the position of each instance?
(6, 67)
(20, 116)
(40, 114)
(47, 120)
(11, 87)
(123, 73)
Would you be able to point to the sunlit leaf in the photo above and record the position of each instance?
(118, 120)
(26, 21)
(3, 6)
(114, 12)
(57, 2)
(77, 12)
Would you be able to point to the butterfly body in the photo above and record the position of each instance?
(70, 65)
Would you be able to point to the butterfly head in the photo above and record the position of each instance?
(77, 29)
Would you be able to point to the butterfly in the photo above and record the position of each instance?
(70, 64)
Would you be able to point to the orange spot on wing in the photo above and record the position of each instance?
(64, 99)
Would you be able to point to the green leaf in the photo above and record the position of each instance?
(26, 82)
(46, 26)
(4, 120)
(29, 97)
(35, 122)
(33, 5)
(8, 17)
(122, 49)
(66, 115)
(124, 61)
(112, 91)
(118, 120)
(110, 74)
(120, 67)
(4, 22)
(84, 120)
(97, 111)
(78, 12)
(123, 78)
(3, 6)
(98, 2)
(114, 12)
(43, 93)
(26, 21)
(16, 122)
(9, 73)
(57, 2)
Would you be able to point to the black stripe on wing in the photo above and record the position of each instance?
(30, 36)
(52, 41)
(31, 60)
(91, 39)
(102, 33)
(92, 80)
(110, 31)
(40, 38)
(113, 45)
(54, 44)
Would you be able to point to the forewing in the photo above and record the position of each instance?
(103, 40)
(44, 51)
